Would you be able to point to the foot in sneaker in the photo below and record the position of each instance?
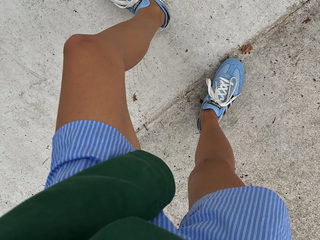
(135, 5)
(224, 88)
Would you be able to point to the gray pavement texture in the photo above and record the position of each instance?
(273, 126)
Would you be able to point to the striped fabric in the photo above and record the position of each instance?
(83, 144)
(232, 214)
(238, 214)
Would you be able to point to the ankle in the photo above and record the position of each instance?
(208, 117)
(155, 11)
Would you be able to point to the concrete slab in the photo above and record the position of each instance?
(33, 33)
(273, 126)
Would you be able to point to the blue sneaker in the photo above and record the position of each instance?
(224, 89)
(134, 6)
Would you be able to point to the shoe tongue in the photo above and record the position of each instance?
(227, 77)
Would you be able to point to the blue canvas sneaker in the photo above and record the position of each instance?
(224, 88)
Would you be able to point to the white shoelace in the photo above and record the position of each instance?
(125, 3)
(222, 94)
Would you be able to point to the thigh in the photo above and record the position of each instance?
(93, 86)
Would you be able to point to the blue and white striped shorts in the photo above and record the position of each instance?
(232, 214)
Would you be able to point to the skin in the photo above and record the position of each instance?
(93, 88)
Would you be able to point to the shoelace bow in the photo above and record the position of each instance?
(222, 94)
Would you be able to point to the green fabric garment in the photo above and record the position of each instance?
(137, 185)
(133, 228)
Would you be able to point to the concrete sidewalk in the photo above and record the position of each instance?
(272, 127)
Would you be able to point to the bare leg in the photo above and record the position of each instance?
(93, 82)
(214, 162)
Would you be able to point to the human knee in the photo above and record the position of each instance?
(79, 42)
(91, 46)
(75, 42)
(212, 167)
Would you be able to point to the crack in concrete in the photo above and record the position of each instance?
(193, 86)
(288, 15)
